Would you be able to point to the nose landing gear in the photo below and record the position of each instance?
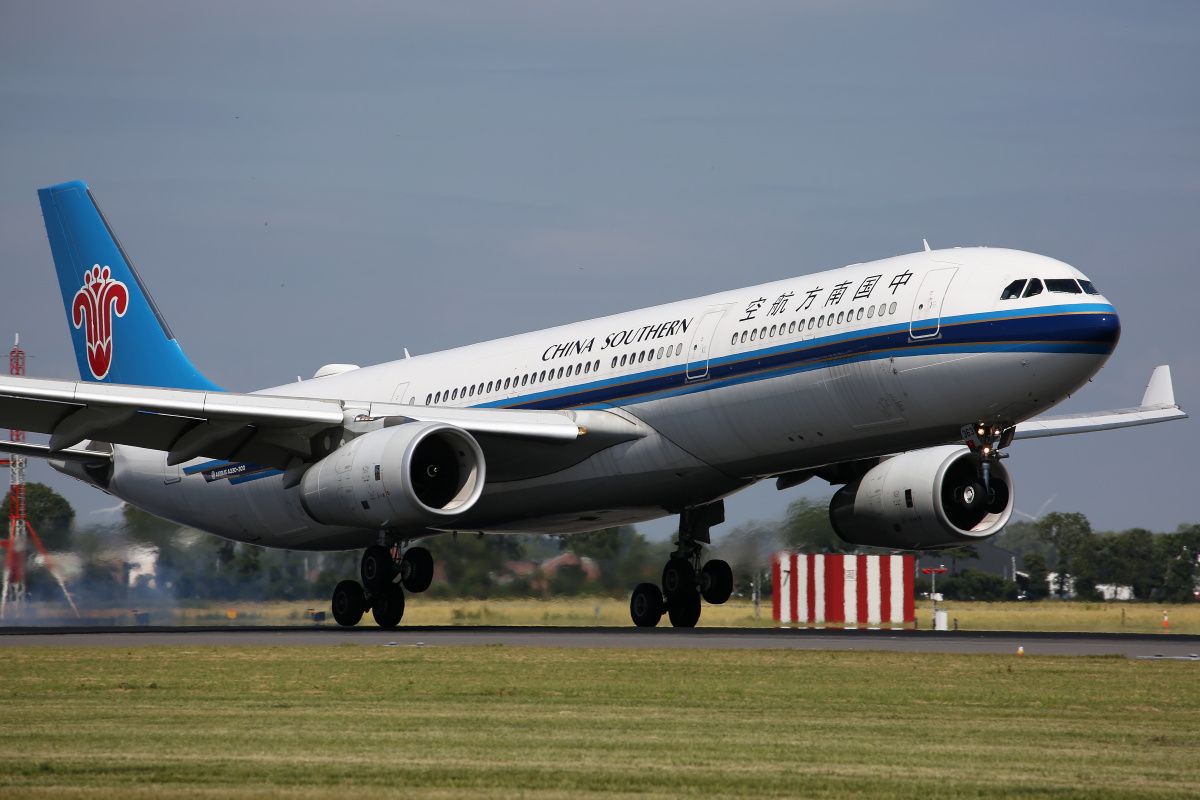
(384, 579)
(986, 439)
(684, 581)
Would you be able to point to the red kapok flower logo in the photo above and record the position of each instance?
(94, 304)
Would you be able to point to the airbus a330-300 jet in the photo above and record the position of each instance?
(903, 381)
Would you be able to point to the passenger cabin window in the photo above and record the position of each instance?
(1013, 290)
(1063, 286)
(1089, 287)
(1034, 287)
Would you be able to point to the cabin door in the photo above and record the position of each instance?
(926, 318)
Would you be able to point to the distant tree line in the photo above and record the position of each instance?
(194, 566)
(1156, 566)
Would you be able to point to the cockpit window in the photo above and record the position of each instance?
(1063, 285)
(1035, 287)
(1013, 290)
(1089, 287)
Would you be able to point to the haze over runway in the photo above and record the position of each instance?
(305, 184)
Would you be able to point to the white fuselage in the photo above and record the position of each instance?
(863, 361)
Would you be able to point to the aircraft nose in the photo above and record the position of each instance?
(1098, 331)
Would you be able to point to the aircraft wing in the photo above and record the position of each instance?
(1158, 405)
(270, 430)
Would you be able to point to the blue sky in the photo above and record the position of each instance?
(304, 183)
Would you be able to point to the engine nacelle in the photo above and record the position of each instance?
(924, 499)
(408, 476)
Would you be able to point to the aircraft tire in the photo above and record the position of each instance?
(684, 609)
(679, 577)
(646, 605)
(377, 570)
(349, 603)
(388, 607)
(419, 572)
(716, 578)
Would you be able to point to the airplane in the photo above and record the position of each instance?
(903, 381)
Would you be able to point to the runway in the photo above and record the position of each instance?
(1033, 643)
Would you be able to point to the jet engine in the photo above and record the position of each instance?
(407, 476)
(925, 499)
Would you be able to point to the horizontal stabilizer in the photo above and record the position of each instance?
(1158, 405)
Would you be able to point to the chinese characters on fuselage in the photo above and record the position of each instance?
(811, 296)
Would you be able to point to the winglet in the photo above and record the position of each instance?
(926, 243)
(1159, 392)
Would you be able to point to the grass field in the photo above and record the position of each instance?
(1041, 616)
(362, 722)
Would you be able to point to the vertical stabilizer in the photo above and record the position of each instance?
(118, 332)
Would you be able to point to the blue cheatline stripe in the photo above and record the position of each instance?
(206, 465)
(253, 476)
(1073, 328)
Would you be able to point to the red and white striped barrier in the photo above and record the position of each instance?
(852, 590)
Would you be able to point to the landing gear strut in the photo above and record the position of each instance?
(987, 440)
(684, 581)
(381, 592)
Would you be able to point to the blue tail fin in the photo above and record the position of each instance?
(119, 334)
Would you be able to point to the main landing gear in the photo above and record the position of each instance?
(684, 581)
(383, 575)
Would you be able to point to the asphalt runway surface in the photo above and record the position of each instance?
(1034, 643)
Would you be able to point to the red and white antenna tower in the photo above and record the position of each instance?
(20, 532)
(18, 526)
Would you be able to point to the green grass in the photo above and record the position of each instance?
(362, 722)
